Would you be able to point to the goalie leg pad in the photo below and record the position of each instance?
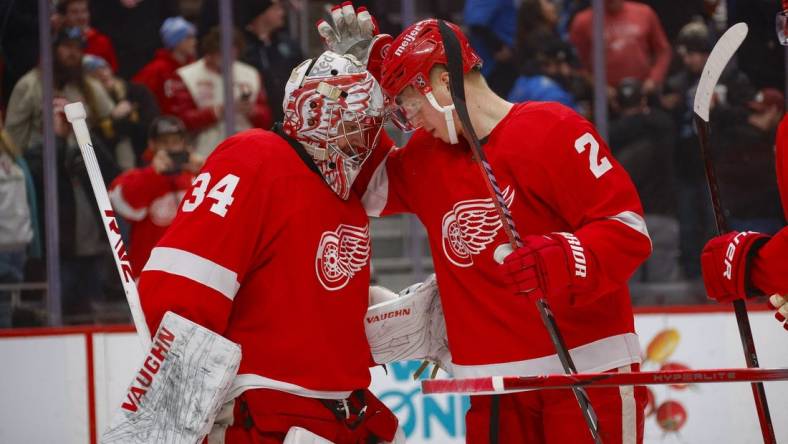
(179, 388)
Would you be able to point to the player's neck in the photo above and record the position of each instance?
(486, 108)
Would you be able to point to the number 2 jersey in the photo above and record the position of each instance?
(556, 175)
(264, 253)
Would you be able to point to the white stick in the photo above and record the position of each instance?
(75, 113)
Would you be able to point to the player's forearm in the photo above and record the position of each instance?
(614, 251)
(769, 271)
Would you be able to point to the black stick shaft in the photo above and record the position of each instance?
(742, 319)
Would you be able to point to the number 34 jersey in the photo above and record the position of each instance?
(556, 175)
(264, 253)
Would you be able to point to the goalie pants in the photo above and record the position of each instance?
(554, 417)
(263, 416)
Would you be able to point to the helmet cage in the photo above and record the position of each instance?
(337, 116)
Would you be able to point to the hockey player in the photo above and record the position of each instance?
(271, 250)
(737, 265)
(580, 216)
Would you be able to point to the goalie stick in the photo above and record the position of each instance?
(75, 113)
(722, 52)
(453, 59)
(507, 384)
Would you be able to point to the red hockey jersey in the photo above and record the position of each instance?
(264, 253)
(770, 267)
(149, 201)
(557, 175)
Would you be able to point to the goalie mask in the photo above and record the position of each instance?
(335, 108)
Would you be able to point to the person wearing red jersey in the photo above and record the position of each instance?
(738, 265)
(195, 94)
(76, 13)
(271, 250)
(180, 48)
(583, 233)
(148, 197)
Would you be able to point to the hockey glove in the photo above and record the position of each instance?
(780, 303)
(547, 266)
(355, 32)
(725, 262)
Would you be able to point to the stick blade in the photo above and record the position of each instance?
(75, 111)
(723, 50)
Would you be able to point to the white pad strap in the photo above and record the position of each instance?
(447, 115)
(299, 435)
(179, 388)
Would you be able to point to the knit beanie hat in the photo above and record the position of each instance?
(174, 30)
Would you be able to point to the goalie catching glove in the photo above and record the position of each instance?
(356, 33)
(408, 326)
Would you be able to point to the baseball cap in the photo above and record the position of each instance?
(69, 34)
(174, 30)
(766, 98)
(165, 125)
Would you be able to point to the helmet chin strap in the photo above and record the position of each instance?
(447, 114)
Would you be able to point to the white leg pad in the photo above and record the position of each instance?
(298, 435)
(179, 388)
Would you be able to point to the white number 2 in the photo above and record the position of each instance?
(598, 166)
(222, 193)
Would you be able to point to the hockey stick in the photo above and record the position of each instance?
(505, 384)
(720, 55)
(75, 113)
(454, 62)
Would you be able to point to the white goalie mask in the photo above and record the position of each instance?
(335, 108)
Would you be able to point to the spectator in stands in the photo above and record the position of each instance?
(84, 252)
(23, 118)
(545, 73)
(535, 19)
(135, 108)
(195, 95)
(17, 225)
(180, 49)
(132, 26)
(743, 141)
(635, 44)
(76, 14)
(696, 220)
(18, 43)
(149, 197)
(269, 48)
(492, 25)
(642, 139)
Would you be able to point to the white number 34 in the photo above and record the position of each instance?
(598, 166)
(221, 193)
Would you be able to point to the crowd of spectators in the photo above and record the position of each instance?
(151, 80)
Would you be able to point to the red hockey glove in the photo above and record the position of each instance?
(547, 266)
(725, 261)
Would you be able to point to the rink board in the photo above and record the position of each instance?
(61, 385)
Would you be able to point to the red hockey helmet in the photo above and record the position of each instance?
(415, 51)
